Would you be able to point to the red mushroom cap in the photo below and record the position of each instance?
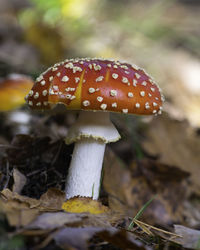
(96, 84)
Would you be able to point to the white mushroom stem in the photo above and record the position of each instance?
(91, 133)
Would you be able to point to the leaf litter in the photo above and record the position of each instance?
(35, 168)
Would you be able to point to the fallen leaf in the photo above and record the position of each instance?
(19, 181)
(130, 188)
(84, 205)
(175, 143)
(49, 221)
(79, 238)
(52, 199)
(190, 237)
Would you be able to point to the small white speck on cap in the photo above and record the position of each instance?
(115, 66)
(155, 104)
(160, 112)
(124, 67)
(99, 98)
(152, 89)
(58, 74)
(30, 93)
(157, 98)
(137, 105)
(126, 72)
(91, 90)
(130, 94)
(142, 93)
(154, 111)
(124, 79)
(43, 82)
(44, 92)
(68, 96)
(109, 65)
(38, 104)
(134, 82)
(100, 78)
(86, 103)
(39, 78)
(54, 69)
(45, 103)
(69, 65)
(114, 75)
(55, 87)
(90, 66)
(77, 79)
(36, 95)
(65, 79)
(125, 111)
(144, 83)
(147, 105)
(51, 92)
(76, 68)
(135, 67)
(30, 103)
(103, 106)
(72, 97)
(150, 95)
(137, 75)
(114, 105)
(113, 92)
(51, 78)
(96, 67)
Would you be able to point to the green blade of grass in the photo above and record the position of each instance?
(140, 212)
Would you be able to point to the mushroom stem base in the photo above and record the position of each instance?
(85, 169)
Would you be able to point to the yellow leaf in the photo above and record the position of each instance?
(84, 205)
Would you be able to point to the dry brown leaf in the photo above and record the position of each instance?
(19, 181)
(130, 189)
(177, 144)
(190, 237)
(78, 238)
(52, 199)
(49, 221)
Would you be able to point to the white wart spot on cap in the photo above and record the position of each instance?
(30, 103)
(44, 92)
(54, 69)
(113, 92)
(130, 94)
(99, 98)
(51, 78)
(58, 74)
(38, 104)
(65, 79)
(40, 78)
(124, 79)
(30, 93)
(137, 105)
(137, 75)
(36, 95)
(115, 66)
(43, 82)
(114, 105)
(45, 103)
(155, 104)
(142, 93)
(144, 83)
(91, 90)
(103, 106)
(134, 82)
(154, 111)
(114, 75)
(125, 111)
(152, 89)
(109, 65)
(99, 79)
(77, 79)
(147, 105)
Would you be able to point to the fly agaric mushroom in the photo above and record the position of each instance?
(96, 87)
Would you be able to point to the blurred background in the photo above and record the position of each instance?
(161, 155)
